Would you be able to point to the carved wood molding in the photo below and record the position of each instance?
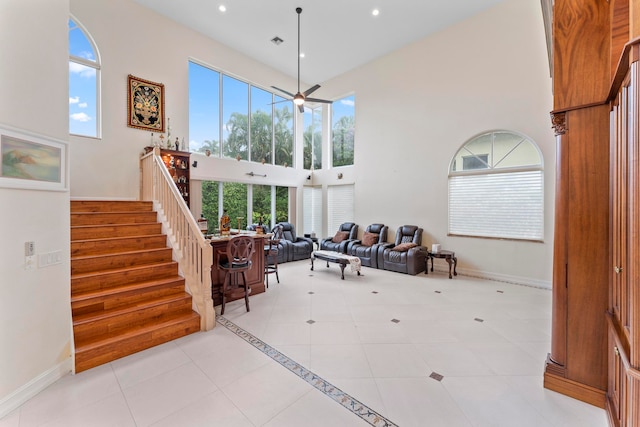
(559, 123)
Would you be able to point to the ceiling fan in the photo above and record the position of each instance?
(300, 97)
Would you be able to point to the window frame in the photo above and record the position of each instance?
(332, 145)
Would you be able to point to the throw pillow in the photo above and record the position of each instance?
(403, 247)
(369, 239)
(340, 236)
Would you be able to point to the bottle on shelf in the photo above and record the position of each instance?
(225, 224)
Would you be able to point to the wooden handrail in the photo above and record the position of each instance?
(192, 252)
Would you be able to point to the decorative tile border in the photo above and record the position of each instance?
(347, 401)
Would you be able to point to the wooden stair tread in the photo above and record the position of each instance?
(143, 251)
(103, 239)
(115, 337)
(104, 292)
(127, 224)
(109, 205)
(105, 314)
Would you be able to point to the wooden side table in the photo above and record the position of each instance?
(448, 256)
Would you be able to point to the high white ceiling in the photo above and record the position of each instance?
(336, 35)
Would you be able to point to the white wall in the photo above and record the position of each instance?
(35, 336)
(417, 106)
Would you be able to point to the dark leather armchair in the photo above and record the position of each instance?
(328, 244)
(406, 256)
(295, 247)
(367, 248)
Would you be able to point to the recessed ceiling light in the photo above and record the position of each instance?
(222, 8)
(301, 54)
(375, 12)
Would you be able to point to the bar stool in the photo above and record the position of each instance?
(271, 254)
(239, 251)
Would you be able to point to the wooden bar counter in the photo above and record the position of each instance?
(255, 276)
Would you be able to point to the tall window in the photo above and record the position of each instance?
(84, 83)
(496, 188)
(204, 109)
(261, 204)
(252, 123)
(282, 204)
(283, 135)
(312, 146)
(235, 105)
(269, 201)
(210, 202)
(234, 197)
(343, 124)
(312, 209)
(261, 125)
(339, 205)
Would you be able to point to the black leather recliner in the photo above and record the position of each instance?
(295, 247)
(328, 244)
(404, 260)
(367, 252)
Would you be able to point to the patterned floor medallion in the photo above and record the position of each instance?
(350, 403)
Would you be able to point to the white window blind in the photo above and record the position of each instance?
(312, 207)
(501, 205)
(340, 206)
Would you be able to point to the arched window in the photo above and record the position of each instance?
(84, 82)
(496, 188)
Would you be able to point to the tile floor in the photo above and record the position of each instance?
(378, 338)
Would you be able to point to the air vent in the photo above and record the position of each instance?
(277, 41)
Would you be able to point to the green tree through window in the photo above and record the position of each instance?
(312, 145)
(210, 197)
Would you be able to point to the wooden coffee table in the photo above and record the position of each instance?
(448, 256)
(337, 259)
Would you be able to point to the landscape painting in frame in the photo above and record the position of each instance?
(31, 162)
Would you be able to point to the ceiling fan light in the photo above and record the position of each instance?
(298, 99)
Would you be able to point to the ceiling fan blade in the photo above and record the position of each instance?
(283, 91)
(311, 90)
(324, 101)
(278, 102)
(301, 108)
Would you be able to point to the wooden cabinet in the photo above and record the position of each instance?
(623, 312)
(595, 344)
(177, 163)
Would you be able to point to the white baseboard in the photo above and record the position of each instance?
(498, 277)
(33, 387)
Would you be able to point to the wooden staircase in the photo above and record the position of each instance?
(126, 294)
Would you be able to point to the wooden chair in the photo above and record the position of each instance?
(238, 261)
(271, 254)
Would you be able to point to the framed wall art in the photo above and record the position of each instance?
(145, 104)
(32, 161)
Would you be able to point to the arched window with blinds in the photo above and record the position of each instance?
(496, 188)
